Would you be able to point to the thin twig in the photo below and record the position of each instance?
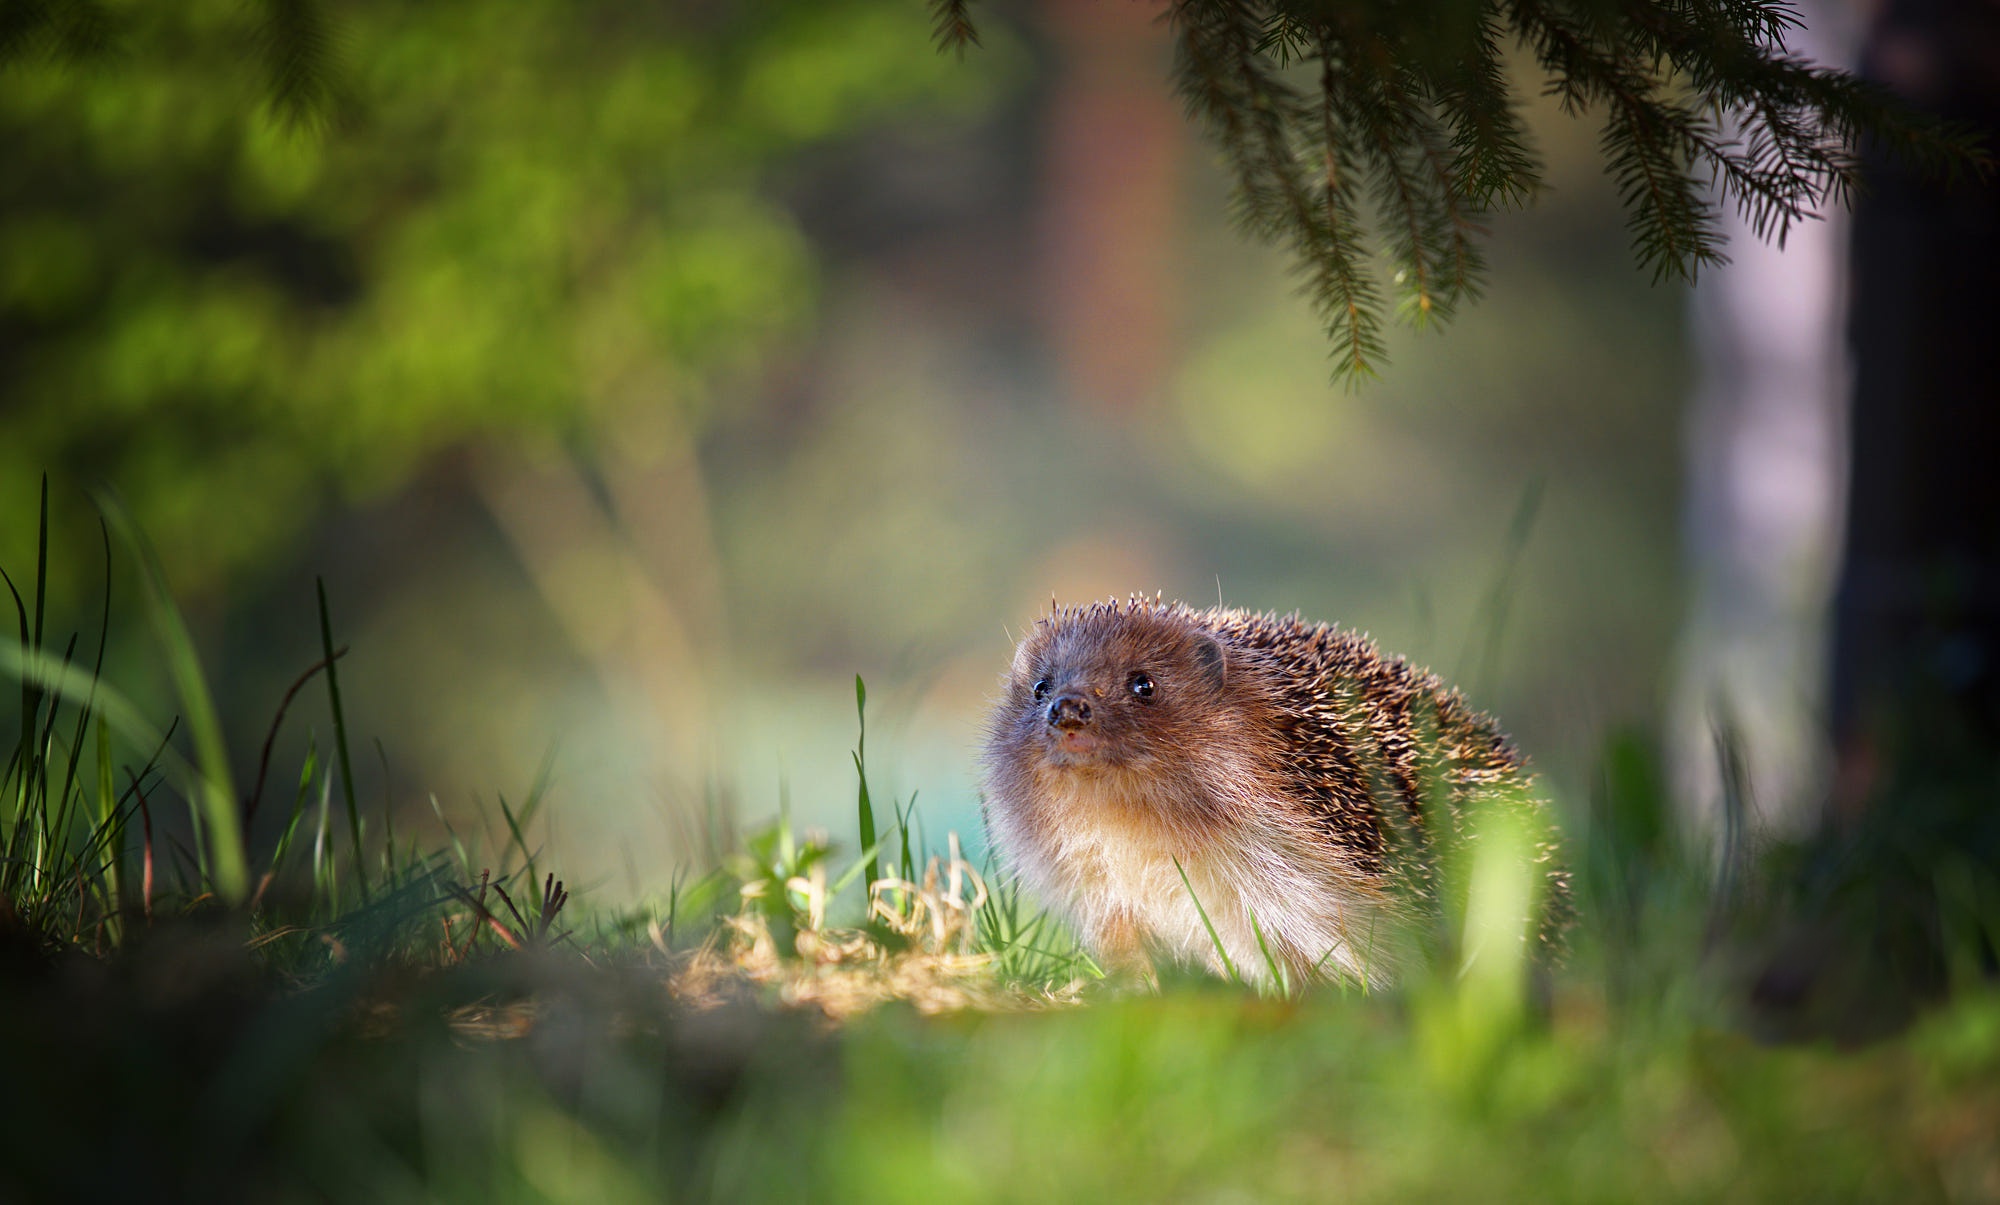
(264, 761)
(493, 922)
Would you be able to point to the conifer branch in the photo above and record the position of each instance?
(1702, 105)
(294, 41)
(298, 50)
(951, 26)
(62, 29)
(1342, 292)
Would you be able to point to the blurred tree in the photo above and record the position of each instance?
(1916, 625)
(254, 254)
(1766, 474)
(1917, 617)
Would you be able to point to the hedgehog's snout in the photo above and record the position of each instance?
(1069, 712)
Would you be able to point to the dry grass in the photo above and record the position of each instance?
(918, 946)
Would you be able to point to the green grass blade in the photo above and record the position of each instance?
(108, 704)
(38, 782)
(538, 790)
(457, 846)
(107, 813)
(213, 794)
(326, 882)
(388, 818)
(59, 809)
(864, 807)
(22, 762)
(42, 562)
(1213, 936)
(788, 847)
(519, 841)
(853, 872)
(299, 800)
(96, 670)
(1271, 965)
(1490, 623)
(903, 816)
(340, 740)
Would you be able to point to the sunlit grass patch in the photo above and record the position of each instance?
(896, 923)
(920, 943)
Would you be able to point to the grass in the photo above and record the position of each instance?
(330, 1014)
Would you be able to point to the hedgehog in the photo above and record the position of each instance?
(1253, 793)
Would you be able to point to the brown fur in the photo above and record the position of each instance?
(1259, 768)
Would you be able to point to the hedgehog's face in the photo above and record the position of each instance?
(1119, 690)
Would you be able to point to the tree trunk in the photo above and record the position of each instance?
(1917, 613)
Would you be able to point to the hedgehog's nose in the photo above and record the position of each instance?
(1069, 712)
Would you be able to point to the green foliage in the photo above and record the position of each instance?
(253, 255)
(1345, 124)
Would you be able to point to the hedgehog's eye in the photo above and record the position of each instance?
(1041, 689)
(1142, 685)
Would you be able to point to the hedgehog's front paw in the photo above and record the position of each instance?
(1120, 951)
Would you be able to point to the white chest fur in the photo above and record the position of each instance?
(1119, 868)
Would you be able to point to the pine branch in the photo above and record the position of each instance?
(1701, 102)
(295, 45)
(1344, 294)
(69, 30)
(299, 55)
(1491, 155)
(1418, 186)
(951, 26)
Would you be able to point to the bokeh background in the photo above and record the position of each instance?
(635, 377)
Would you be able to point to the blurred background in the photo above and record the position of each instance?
(635, 377)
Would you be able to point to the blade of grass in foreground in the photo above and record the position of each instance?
(863, 805)
(1490, 621)
(518, 821)
(22, 769)
(1272, 966)
(213, 794)
(340, 741)
(85, 712)
(109, 822)
(1213, 936)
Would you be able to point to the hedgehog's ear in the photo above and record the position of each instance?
(1211, 660)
